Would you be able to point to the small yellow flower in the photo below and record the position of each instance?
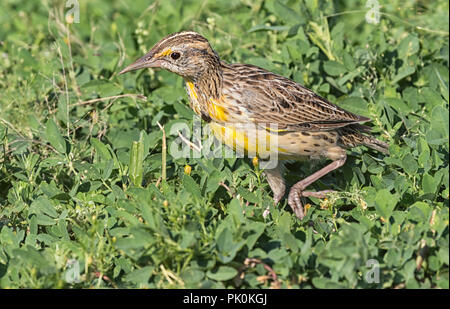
(114, 239)
(165, 203)
(307, 206)
(255, 162)
(187, 169)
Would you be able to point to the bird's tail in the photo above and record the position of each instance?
(372, 142)
(353, 135)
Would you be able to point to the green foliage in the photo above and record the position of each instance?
(89, 197)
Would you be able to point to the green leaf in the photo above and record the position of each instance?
(443, 255)
(33, 258)
(398, 104)
(385, 203)
(101, 149)
(429, 185)
(419, 211)
(247, 195)
(43, 205)
(409, 164)
(46, 238)
(285, 13)
(192, 276)
(408, 46)
(33, 225)
(191, 186)
(226, 243)
(236, 211)
(253, 231)
(348, 61)
(403, 72)
(140, 276)
(334, 68)
(355, 105)
(45, 220)
(213, 181)
(183, 110)
(54, 137)
(222, 273)
(290, 241)
(424, 154)
(439, 129)
(108, 169)
(224, 240)
(138, 240)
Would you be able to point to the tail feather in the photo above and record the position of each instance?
(376, 144)
(353, 135)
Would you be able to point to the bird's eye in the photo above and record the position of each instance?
(175, 55)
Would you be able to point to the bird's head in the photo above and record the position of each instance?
(185, 53)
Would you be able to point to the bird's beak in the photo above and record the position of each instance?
(142, 63)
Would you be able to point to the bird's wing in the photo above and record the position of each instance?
(268, 98)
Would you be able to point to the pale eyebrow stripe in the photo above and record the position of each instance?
(176, 35)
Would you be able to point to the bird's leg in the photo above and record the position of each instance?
(297, 190)
(276, 182)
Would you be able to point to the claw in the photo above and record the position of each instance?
(295, 202)
(277, 198)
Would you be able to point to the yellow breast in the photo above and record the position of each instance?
(245, 138)
(217, 111)
(215, 108)
(248, 139)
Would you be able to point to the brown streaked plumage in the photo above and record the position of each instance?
(225, 95)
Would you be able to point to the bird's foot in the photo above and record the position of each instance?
(294, 199)
(277, 198)
(295, 202)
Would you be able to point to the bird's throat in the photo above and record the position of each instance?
(204, 90)
(209, 82)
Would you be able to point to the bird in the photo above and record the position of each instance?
(240, 101)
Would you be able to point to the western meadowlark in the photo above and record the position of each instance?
(307, 125)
